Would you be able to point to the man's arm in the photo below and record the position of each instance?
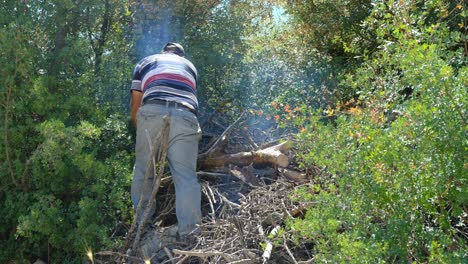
(135, 103)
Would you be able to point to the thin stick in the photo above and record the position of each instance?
(213, 213)
(183, 259)
(226, 200)
(161, 159)
(111, 253)
(289, 251)
(269, 248)
(169, 254)
(249, 138)
(222, 136)
(201, 254)
(243, 261)
(140, 203)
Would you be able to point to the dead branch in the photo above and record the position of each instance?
(246, 175)
(161, 159)
(162, 139)
(221, 141)
(285, 244)
(202, 254)
(273, 155)
(9, 91)
(169, 254)
(118, 254)
(293, 175)
(249, 138)
(269, 247)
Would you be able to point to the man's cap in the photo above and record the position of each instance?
(175, 48)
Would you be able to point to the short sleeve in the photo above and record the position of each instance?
(136, 80)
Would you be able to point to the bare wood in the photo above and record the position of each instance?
(203, 254)
(293, 175)
(269, 247)
(246, 175)
(249, 138)
(169, 254)
(212, 176)
(285, 244)
(163, 137)
(221, 141)
(139, 206)
(157, 178)
(273, 155)
(117, 254)
(243, 261)
(209, 197)
(226, 200)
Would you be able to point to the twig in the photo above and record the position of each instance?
(183, 259)
(243, 261)
(6, 127)
(309, 261)
(161, 159)
(169, 254)
(140, 203)
(226, 200)
(212, 175)
(269, 247)
(249, 138)
(289, 251)
(213, 213)
(118, 254)
(222, 136)
(202, 254)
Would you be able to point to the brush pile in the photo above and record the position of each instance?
(247, 200)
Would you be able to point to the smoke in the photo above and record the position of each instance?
(156, 25)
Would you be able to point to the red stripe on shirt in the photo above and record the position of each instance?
(170, 76)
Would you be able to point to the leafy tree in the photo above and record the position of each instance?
(58, 195)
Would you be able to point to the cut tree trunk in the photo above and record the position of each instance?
(274, 155)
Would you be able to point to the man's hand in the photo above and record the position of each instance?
(135, 103)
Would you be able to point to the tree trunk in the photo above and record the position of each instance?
(272, 155)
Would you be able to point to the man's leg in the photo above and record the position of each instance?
(149, 125)
(182, 158)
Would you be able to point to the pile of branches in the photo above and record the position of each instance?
(252, 230)
(247, 202)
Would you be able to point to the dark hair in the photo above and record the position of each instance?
(175, 48)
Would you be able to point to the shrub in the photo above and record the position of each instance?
(398, 185)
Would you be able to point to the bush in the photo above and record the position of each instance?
(397, 190)
(76, 198)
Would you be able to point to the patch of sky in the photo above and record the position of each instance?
(279, 15)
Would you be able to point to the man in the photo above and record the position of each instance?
(165, 85)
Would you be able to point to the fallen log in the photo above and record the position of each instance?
(274, 155)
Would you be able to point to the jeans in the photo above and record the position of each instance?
(184, 135)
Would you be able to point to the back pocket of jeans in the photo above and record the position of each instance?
(191, 122)
(148, 115)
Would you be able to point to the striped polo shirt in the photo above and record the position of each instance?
(167, 77)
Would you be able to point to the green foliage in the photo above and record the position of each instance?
(75, 198)
(337, 34)
(397, 158)
(377, 90)
(218, 49)
(65, 165)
